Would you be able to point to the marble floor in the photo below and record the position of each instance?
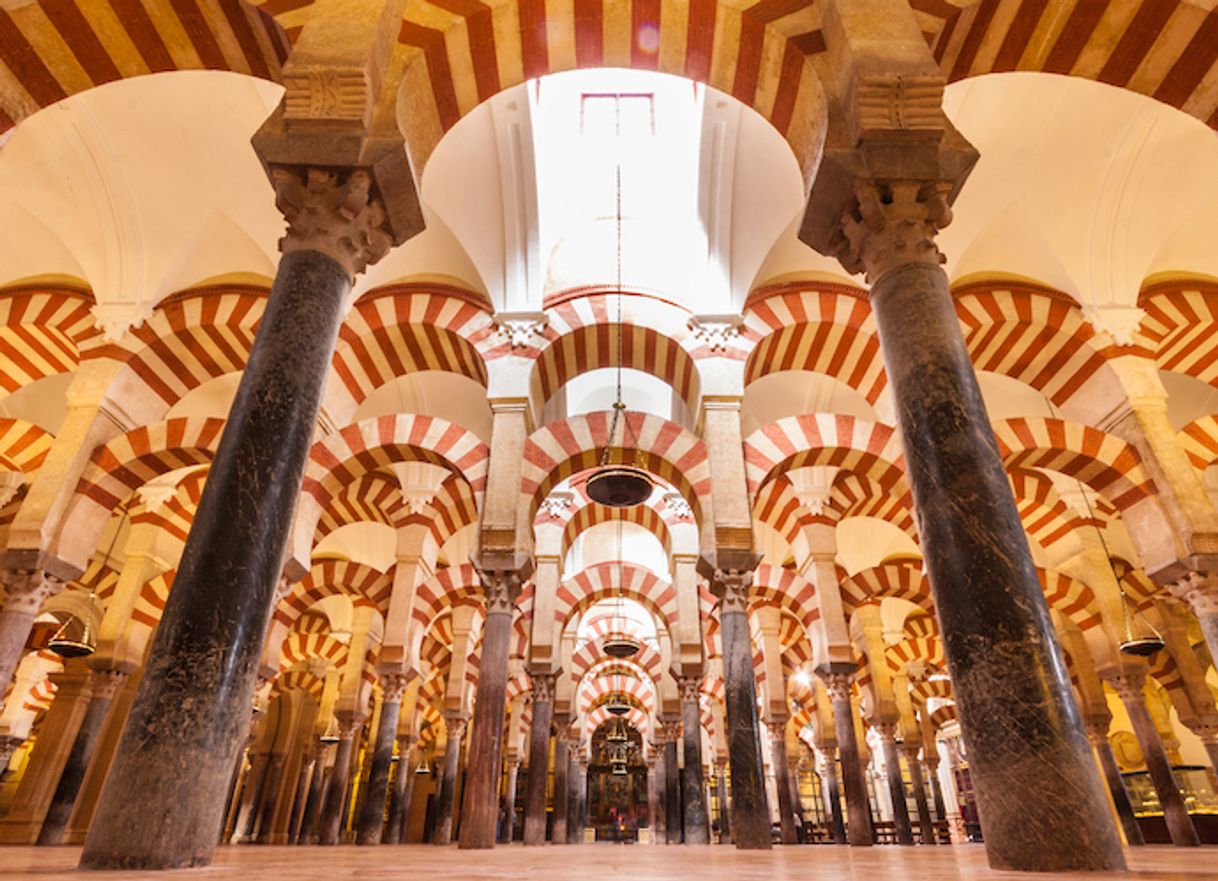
(595, 861)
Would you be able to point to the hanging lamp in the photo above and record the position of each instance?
(621, 484)
(618, 643)
(330, 735)
(75, 637)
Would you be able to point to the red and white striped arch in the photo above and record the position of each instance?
(1045, 516)
(23, 445)
(191, 337)
(923, 691)
(590, 656)
(612, 579)
(330, 578)
(449, 587)
(1033, 334)
(1181, 327)
(648, 516)
(565, 447)
(407, 328)
(300, 648)
(1104, 462)
(927, 649)
(775, 586)
(1071, 597)
(898, 580)
(176, 514)
(1199, 439)
(757, 54)
(856, 495)
(298, 680)
(42, 330)
(846, 442)
(150, 604)
(819, 327)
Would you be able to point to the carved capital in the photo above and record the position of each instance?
(716, 332)
(732, 587)
(340, 216)
(668, 732)
(1097, 728)
(891, 224)
(777, 729)
(1199, 590)
(393, 686)
(837, 684)
(25, 590)
(500, 588)
(349, 724)
(1128, 685)
(455, 723)
(543, 686)
(1206, 729)
(690, 688)
(104, 684)
(886, 730)
(522, 330)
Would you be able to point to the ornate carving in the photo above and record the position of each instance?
(887, 103)
(1199, 590)
(732, 586)
(892, 224)
(777, 729)
(668, 731)
(455, 722)
(500, 589)
(677, 507)
(886, 730)
(393, 686)
(837, 684)
(519, 329)
(349, 724)
(717, 332)
(1128, 685)
(556, 506)
(690, 688)
(104, 684)
(10, 484)
(25, 590)
(341, 218)
(341, 96)
(1119, 322)
(1097, 728)
(543, 686)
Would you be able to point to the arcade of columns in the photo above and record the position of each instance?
(356, 677)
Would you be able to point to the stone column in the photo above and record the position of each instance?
(1129, 685)
(509, 802)
(918, 782)
(269, 798)
(896, 783)
(317, 788)
(1200, 591)
(372, 811)
(858, 809)
(750, 810)
(8, 746)
(24, 593)
(672, 785)
(1097, 733)
(103, 685)
(577, 775)
(657, 799)
(340, 780)
(1018, 714)
(397, 796)
(193, 703)
(936, 788)
(480, 814)
(407, 801)
(832, 792)
(562, 766)
(697, 824)
(725, 808)
(539, 758)
(455, 724)
(304, 789)
(782, 780)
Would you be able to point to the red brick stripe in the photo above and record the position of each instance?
(1198, 57)
(972, 40)
(699, 39)
(431, 42)
(200, 34)
(235, 12)
(1018, 34)
(66, 16)
(1079, 26)
(1136, 41)
(20, 58)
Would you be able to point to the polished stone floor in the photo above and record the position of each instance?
(595, 861)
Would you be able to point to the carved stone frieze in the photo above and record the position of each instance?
(337, 96)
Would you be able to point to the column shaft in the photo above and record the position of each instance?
(508, 831)
(896, 788)
(269, 799)
(725, 807)
(562, 763)
(858, 808)
(397, 794)
(24, 594)
(372, 811)
(336, 794)
(1018, 715)
(448, 783)
(697, 824)
(1116, 785)
(919, 787)
(657, 797)
(782, 782)
(308, 821)
(480, 808)
(750, 811)
(1175, 813)
(834, 796)
(192, 707)
(303, 780)
(575, 806)
(672, 792)
(539, 766)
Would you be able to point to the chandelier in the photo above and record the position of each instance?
(620, 484)
(618, 643)
(75, 637)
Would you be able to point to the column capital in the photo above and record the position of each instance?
(690, 688)
(777, 727)
(349, 724)
(336, 213)
(1199, 590)
(887, 730)
(730, 581)
(501, 587)
(910, 749)
(393, 686)
(543, 682)
(1206, 729)
(105, 684)
(1128, 684)
(667, 731)
(837, 683)
(455, 722)
(25, 590)
(887, 224)
(1097, 728)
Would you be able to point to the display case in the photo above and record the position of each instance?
(1196, 784)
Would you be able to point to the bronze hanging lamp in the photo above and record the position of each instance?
(618, 643)
(619, 485)
(75, 637)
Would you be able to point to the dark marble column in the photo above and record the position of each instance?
(189, 716)
(936, 788)
(397, 793)
(655, 769)
(542, 702)
(896, 783)
(577, 776)
(407, 799)
(693, 797)
(1129, 686)
(562, 767)
(918, 782)
(340, 781)
(1097, 731)
(1017, 712)
(480, 808)
(782, 780)
(251, 797)
(304, 779)
(858, 809)
(508, 831)
(725, 807)
(448, 783)
(658, 792)
(317, 789)
(750, 807)
(672, 785)
(269, 798)
(24, 593)
(833, 793)
(372, 812)
(103, 685)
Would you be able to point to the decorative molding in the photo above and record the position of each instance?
(337, 95)
(892, 224)
(518, 329)
(1119, 322)
(341, 218)
(717, 332)
(888, 103)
